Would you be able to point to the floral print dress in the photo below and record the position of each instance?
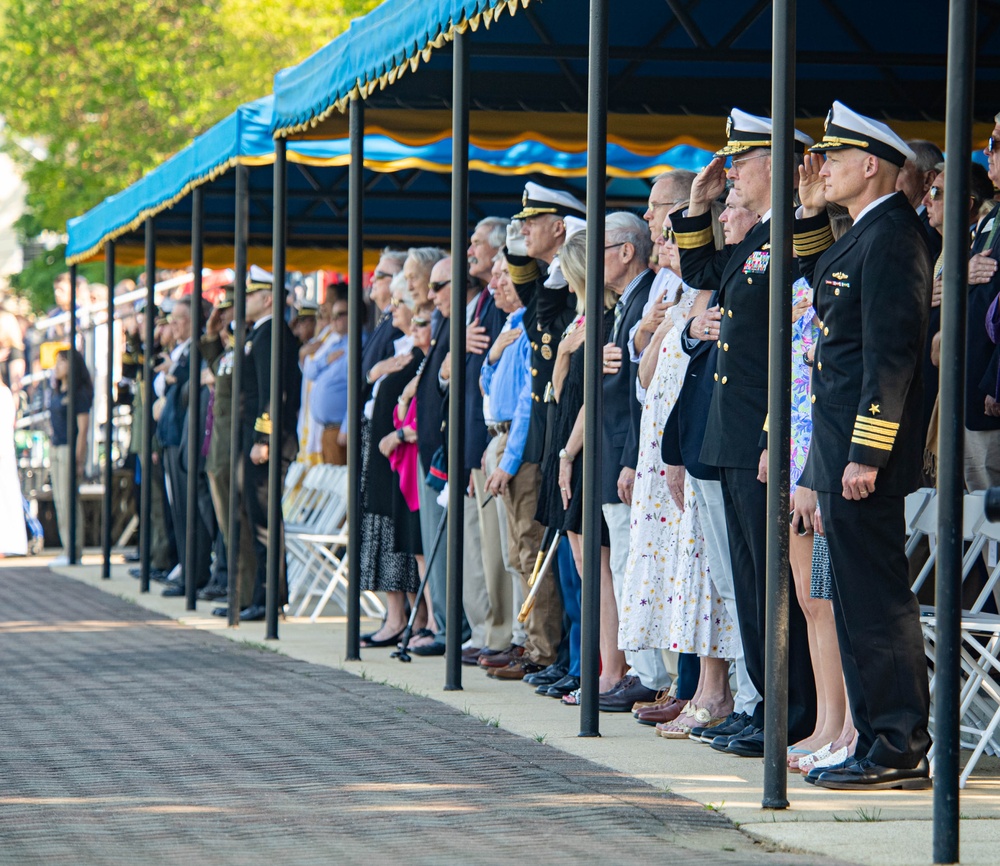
(668, 600)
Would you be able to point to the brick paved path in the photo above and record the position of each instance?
(127, 738)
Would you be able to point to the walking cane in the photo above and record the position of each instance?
(536, 577)
(404, 641)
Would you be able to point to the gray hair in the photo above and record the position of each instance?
(398, 286)
(426, 257)
(928, 154)
(624, 227)
(680, 179)
(397, 257)
(497, 231)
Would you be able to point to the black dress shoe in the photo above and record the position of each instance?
(721, 742)
(211, 593)
(131, 557)
(546, 676)
(174, 590)
(220, 611)
(620, 700)
(160, 576)
(428, 649)
(868, 776)
(566, 685)
(749, 744)
(253, 613)
(816, 772)
(734, 723)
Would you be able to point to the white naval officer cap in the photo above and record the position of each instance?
(845, 128)
(258, 279)
(556, 279)
(746, 131)
(538, 200)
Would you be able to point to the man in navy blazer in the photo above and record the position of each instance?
(627, 247)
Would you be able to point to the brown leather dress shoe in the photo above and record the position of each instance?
(662, 714)
(501, 659)
(470, 656)
(516, 670)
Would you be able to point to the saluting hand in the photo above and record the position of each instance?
(812, 187)
(707, 186)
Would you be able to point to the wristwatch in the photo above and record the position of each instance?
(565, 455)
(401, 435)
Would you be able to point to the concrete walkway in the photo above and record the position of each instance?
(878, 828)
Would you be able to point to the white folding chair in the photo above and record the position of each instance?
(914, 506)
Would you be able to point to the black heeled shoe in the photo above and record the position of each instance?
(369, 642)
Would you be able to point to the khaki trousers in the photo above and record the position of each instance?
(59, 465)
(495, 575)
(524, 540)
(333, 452)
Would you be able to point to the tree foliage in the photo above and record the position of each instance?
(113, 87)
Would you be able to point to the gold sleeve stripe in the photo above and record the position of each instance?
(522, 274)
(263, 424)
(881, 446)
(693, 240)
(767, 418)
(877, 423)
(810, 243)
(888, 438)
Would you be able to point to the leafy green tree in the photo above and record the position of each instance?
(113, 87)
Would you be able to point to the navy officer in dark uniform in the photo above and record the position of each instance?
(258, 433)
(872, 297)
(734, 436)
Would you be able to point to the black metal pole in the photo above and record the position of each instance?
(355, 319)
(196, 431)
(71, 428)
(109, 433)
(597, 159)
(458, 479)
(146, 472)
(242, 218)
(779, 400)
(951, 427)
(275, 550)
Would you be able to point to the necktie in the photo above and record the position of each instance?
(619, 312)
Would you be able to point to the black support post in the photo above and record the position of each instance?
(146, 472)
(109, 433)
(951, 428)
(458, 479)
(276, 551)
(242, 218)
(597, 158)
(71, 427)
(779, 400)
(355, 318)
(196, 431)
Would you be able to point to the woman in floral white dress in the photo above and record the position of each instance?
(668, 600)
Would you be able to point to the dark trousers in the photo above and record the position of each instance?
(745, 500)
(254, 498)
(204, 523)
(878, 626)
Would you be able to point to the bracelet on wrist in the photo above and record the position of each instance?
(565, 455)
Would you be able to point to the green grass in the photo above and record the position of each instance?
(491, 721)
(863, 816)
(538, 738)
(257, 645)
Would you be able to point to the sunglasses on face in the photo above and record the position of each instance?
(436, 287)
(991, 144)
(935, 193)
(382, 275)
(421, 323)
(338, 315)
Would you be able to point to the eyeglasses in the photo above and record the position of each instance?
(436, 287)
(737, 163)
(396, 302)
(669, 235)
(338, 315)
(612, 246)
(991, 144)
(420, 323)
(381, 275)
(656, 204)
(935, 193)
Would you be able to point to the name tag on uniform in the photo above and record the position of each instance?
(758, 262)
